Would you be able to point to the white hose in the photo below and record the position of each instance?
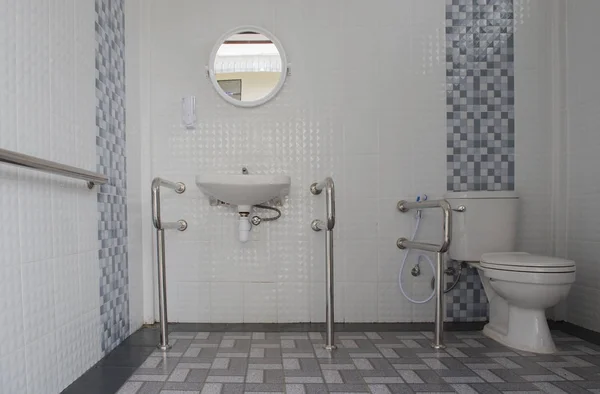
(424, 256)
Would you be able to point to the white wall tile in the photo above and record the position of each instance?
(582, 180)
(48, 296)
(11, 308)
(38, 299)
(41, 361)
(260, 302)
(190, 302)
(12, 372)
(35, 216)
(360, 302)
(226, 302)
(392, 306)
(67, 295)
(380, 146)
(293, 302)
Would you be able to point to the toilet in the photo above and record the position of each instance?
(519, 286)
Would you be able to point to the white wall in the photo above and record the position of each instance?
(582, 163)
(381, 138)
(49, 300)
(534, 108)
(136, 188)
(370, 139)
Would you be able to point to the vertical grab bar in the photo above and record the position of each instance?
(160, 227)
(328, 225)
(403, 243)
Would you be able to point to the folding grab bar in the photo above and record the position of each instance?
(160, 227)
(328, 225)
(403, 243)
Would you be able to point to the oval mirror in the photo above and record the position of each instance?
(248, 66)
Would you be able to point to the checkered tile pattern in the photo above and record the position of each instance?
(110, 142)
(366, 362)
(467, 301)
(480, 95)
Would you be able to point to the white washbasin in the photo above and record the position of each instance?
(244, 190)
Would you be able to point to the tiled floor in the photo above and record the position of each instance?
(376, 362)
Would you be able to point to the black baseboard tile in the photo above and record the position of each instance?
(577, 331)
(315, 327)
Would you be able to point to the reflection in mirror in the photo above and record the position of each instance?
(248, 67)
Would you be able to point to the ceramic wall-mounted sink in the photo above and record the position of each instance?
(244, 190)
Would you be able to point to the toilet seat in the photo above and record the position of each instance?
(541, 278)
(526, 263)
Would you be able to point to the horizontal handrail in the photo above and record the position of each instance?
(317, 188)
(52, 167)
(405, 206)
(156, 184)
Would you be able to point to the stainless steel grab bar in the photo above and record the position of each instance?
(403, 243)
(35, 163)
(160, 227)
(328, 225)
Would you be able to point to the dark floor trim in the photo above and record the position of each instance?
(315, 327)
(578, 331)
(110, 373)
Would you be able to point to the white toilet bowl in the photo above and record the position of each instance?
(520, 287)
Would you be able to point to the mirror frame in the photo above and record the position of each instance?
(213, 77)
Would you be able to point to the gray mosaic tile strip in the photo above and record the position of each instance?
(111, 161)
(480, 366)
(480, 94)
(467, 302)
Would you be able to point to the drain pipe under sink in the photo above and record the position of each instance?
(245, 226)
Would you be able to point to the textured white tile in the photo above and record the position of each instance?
(87, 220)
(38, 299)
(9, 234)
(47, 109)
(360, 302)
(361, 262)
(89, 273)
(191, 302)
(11, 308)
(226, 302)
(293, 302)
(35, 216)
(378, 149)
(67, 297)
(41, 361)
(12, 372)
(260, 302)
(392, 305)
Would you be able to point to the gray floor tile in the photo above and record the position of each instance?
(182, 386)
(232, 388)
(151, 388)
(400, 388)
(264, 388)
(374, 361)
(348, 388)
(274, 377)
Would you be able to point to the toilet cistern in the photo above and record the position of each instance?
(244, 191)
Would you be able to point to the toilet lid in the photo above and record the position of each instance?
(526, 262)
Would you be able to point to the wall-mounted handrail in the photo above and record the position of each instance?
(405, 206)
(160, 227)
(440, 249)
(316, 189)
(328, 225)
(52, 167)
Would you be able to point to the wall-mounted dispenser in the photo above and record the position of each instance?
(188, 112)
